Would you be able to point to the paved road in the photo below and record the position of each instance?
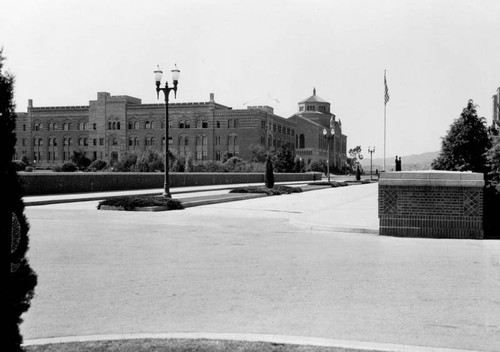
(289, 265)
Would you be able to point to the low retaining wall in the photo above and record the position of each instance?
(437, 204)
(70, 182)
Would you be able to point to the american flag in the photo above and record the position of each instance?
(386, 95)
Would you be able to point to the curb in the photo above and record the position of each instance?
(341, 345)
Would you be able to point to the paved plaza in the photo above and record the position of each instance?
(308, 264)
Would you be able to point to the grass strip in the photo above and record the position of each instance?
(177, 345)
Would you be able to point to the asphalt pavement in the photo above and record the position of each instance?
(300, 267)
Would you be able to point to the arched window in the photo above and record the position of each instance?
(181, 124)
(114, 125)
(130, 125)
(136, 125)
(217, 124)
(302, 141)
(199, 148)
(115, 141)
(152, 125)
(147, 125)
(233, 147)
(118, 125)
(69, 126)
(54, 126)
(152, 141)
(130, 141)
(205, 146)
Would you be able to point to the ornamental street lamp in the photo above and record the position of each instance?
(328, 134)
(371, 150)
(166, 91)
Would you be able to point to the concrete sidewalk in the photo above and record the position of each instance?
(177, 192)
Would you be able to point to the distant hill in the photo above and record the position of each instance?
(408, 163)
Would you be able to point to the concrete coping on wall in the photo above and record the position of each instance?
(432, 178)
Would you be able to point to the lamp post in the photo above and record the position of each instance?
(328, 134)
(166, 91)
(371, 150)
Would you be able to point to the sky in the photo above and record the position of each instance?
(438, 54)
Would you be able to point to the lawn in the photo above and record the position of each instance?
(177, 345)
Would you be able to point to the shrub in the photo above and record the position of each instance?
(179, 165)
(127, 163)
(150, 161)
(69, 167)
(97, 165)
(235, 164)
(287, 189)
(299, 165)
(318, 166)
(269, 174)
(19, 165)
(80, 160)
(216, 166)
(358, 173)
(29, 169)
(132, 202)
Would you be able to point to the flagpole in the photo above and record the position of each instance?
(385, 108)
(386, 100)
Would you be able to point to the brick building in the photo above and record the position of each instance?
(111, 126)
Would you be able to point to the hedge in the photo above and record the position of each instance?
(64, 182)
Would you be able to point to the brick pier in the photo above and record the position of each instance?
(434, 204)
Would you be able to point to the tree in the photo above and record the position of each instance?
(259, 153)
(352, 160)
(284, 159)
(81, 161)
(269, 174)
(465, 145)
(18, 279)
(150, 161)
(299, 165)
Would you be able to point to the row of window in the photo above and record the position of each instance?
(278, 128)
(132, 141)
(66, 126)
(115, 125)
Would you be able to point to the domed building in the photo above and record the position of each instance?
(317, 130)
(111, 126)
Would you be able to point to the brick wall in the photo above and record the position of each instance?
(63, 182)
(431, 204)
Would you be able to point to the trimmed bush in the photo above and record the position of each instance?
(19, 165)
(269, 174)
(274, 191)
(97, 165)
(287, 189)
(331, 184)
(133, 202)
(68, 167)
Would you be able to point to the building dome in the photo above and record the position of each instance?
(314, 104)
